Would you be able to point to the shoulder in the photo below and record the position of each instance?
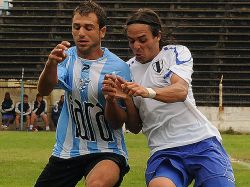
(180, 53)
(131, 61)
(71, 51)
(176, 49)
(113, 57)
(71, 55)
(115, 60)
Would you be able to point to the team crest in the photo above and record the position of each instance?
(85, 67)
(83, 83)
(158, 66)
(84, 80)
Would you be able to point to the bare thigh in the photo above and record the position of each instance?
(161, 182)
(106, 173)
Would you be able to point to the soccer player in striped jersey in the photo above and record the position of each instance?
(184, 145)
(86, 145)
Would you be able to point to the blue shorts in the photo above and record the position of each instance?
(206, 162)
(7, 116)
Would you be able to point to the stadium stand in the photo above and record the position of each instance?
(216, 32)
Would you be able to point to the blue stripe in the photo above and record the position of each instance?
(61, 129)
(76, 142)
(167, 74)
(75, 147)
(124, 144)
(92, 147)
(113, 145)
(72, 55)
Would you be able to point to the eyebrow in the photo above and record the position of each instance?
(137, 37)
(86, 24)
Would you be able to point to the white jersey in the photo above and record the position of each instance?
(168, 125)
(81, 127)
(26, 108)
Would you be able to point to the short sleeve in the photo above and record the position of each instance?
(183, 66)
(125, 73)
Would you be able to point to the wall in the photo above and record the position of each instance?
(13, 87)
(1, 6)
(236, 118)
(30, 89)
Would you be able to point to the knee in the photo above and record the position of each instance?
(161, 181)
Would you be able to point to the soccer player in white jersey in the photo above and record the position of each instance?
(184, 145)
(86, 145)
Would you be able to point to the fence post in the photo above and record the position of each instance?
(22, 93)
(221, 108)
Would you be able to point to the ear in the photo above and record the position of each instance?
(103, 31)
(159, 36)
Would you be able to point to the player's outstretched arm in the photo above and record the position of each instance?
(133, 121)
(48, 78)
(176, 92)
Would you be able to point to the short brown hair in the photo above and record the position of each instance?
(88, 7)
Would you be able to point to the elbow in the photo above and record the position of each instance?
(115, 125)
(183, 95)
(43, 93)
(134, 129)
(45, 87)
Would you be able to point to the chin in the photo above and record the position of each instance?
(141, 60)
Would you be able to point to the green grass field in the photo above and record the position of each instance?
(24, 154)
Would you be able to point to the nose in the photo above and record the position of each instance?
(81, 32)
(136, 45)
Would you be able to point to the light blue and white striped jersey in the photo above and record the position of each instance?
(82, 128)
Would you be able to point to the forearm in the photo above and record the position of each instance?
(114, 114)
(133, 120)
(175, 92)
(171, 94)
(48, 79)
(9, 109)
(27, 113)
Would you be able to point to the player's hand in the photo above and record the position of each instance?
(112, 88)
(58, 54)
(134, 89)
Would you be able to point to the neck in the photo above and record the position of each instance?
(150, 59)
(91, 55)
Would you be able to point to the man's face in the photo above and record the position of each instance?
(39, 98)
(143, 44)
(87, 35)
(25, 99)
(7, 96)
